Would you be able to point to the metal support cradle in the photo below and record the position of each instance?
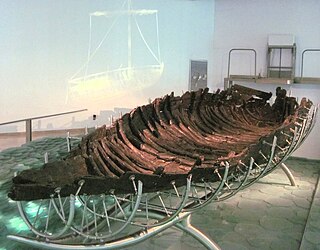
(111, 221)
(288, 173)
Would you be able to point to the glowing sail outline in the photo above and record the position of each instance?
(116, 80)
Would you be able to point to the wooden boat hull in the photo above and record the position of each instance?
(198, 133)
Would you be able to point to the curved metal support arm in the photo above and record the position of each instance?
(301, 134)
(288, 173)
(310, 123)
(128, 220)
(181, 206)
(118, 244)
(133, 212)
(213, 194)
(45, 235)
(246, 176)
(185, 225)
(270, 160)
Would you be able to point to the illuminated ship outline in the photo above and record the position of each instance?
(119, 80)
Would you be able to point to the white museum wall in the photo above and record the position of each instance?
(44, 43)
(247, 24)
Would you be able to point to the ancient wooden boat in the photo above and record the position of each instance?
(161, 143)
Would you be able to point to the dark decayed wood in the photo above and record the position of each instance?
(167, 140)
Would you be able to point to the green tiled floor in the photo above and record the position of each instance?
(271, 214)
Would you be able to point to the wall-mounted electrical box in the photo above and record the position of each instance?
(198, 75)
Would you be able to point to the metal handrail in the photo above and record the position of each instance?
(302, 59)
(45, 116)
(30, 119)
(241, 49)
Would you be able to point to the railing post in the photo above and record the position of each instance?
(28, 130)
(302, 59)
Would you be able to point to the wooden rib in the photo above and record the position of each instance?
(112, 166)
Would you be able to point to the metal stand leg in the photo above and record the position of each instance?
(28, 130)
(186, 226)
(288, 173)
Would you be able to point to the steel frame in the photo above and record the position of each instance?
(112, 221)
